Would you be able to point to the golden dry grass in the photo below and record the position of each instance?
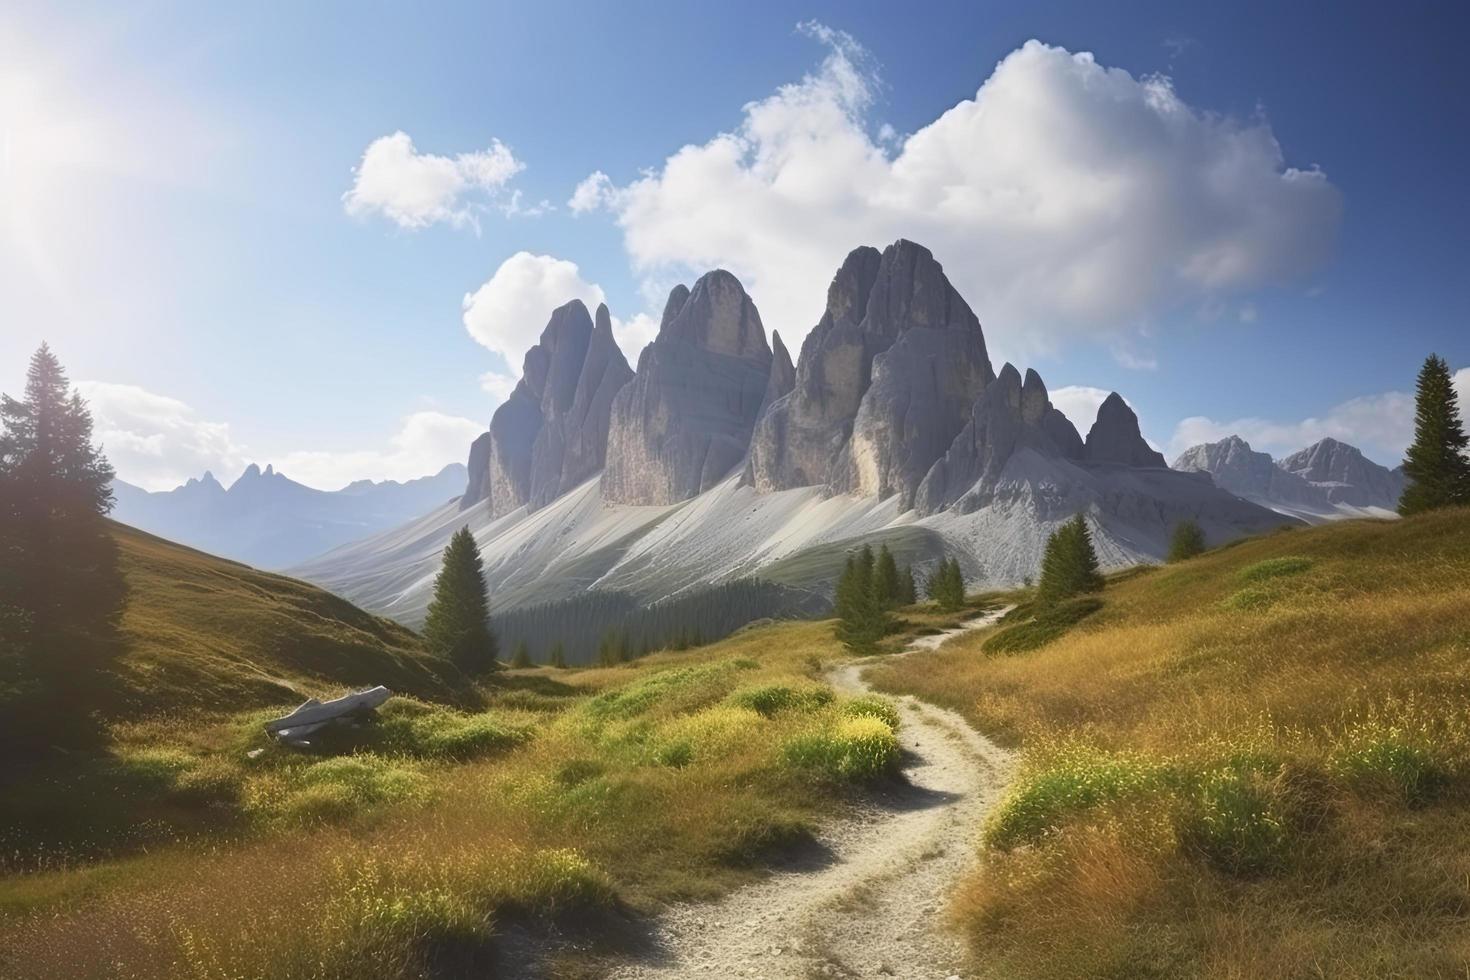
(677, 776)
(1252, 764)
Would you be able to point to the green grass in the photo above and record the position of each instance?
(1032, 625)
(1252, 764)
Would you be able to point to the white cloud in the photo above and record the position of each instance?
(416, 189)
(508, 312)
(1065, 198)
(154, 441)
(498, 385)
(1079, 403)
(1381, 425)
(425, 443)
(157, 442)
(593, 192)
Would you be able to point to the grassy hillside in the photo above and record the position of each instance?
(409, 848)
(201, 631)
(1254, 764)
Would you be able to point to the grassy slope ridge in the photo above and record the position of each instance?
(1252, 764)
(202, 631)
(407, 849)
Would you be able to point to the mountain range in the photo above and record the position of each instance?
(269, 520)
(719, 458)
(1325, 481)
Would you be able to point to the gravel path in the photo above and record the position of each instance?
(871, 905)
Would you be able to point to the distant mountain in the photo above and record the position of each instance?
(1325, 481)
(270, 521)
(724, 460)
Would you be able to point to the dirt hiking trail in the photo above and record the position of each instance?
(871, 903)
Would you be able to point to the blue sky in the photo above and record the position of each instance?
(191, 211)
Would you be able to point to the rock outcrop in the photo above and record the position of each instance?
(884, 383)
(684, 421)
(1115, 437)
(1345, 475)
(1011, 415)
(551, 433)
(1234, 466)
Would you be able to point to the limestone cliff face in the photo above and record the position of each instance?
(884, 382)
(1345, 475)
(1234, 466)
(684, 421)
(551, 433)
(1115, 437)
(923, 385)
(1009, 416)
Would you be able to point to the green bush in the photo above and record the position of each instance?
(676, 754)
(1234, 821)
(772, 699)
(872, 706)
(854, 750)
(1046, 623)
(333, 789)
(1074, 781)
(1387, 764)
(1271, 568)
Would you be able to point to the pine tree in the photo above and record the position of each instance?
(1436, 465)
(1188, 541)
(61, 592)
(1069, 566)
(558, 658)
(458, 624)
(862, 619)
(908, 594)
(522, 657)
(946, 586)
(885, 579)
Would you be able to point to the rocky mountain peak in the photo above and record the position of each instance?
(1233, 465)
(1115, 437)
(684, 421)
(1345, 475)
(551, 433)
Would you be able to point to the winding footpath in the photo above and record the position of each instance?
(871, 903)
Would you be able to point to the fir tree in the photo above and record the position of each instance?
(1438, 471)
(558, 658)
(908, 594)
(1188, 541)
(885, 578)
(458, 624)
(1069, 566)
(522, 657)
(862, 618)
(946, 586)
(61, 592)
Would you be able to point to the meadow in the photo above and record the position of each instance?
(1251, 764)
(571, 801)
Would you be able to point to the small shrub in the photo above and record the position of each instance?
(1234, 822)
(676, 754)
(855, 750)
(1045, 624)
(1075, 780)
(716, 732)
(333, 789)
(872, 706)
(1386, 764)
(772, 699)
(1271, 568)
(154, 769)
(1187, 542)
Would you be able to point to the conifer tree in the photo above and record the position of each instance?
(558, 658)
(885, 578)
(946, 586)
(458, 624)
(907, 593)
(1436, 465)
(862, 617)
(1069, 566)
(61, 592)
(1188, 541)
(522, 657)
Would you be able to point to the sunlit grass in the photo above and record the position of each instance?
(1253, 764)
